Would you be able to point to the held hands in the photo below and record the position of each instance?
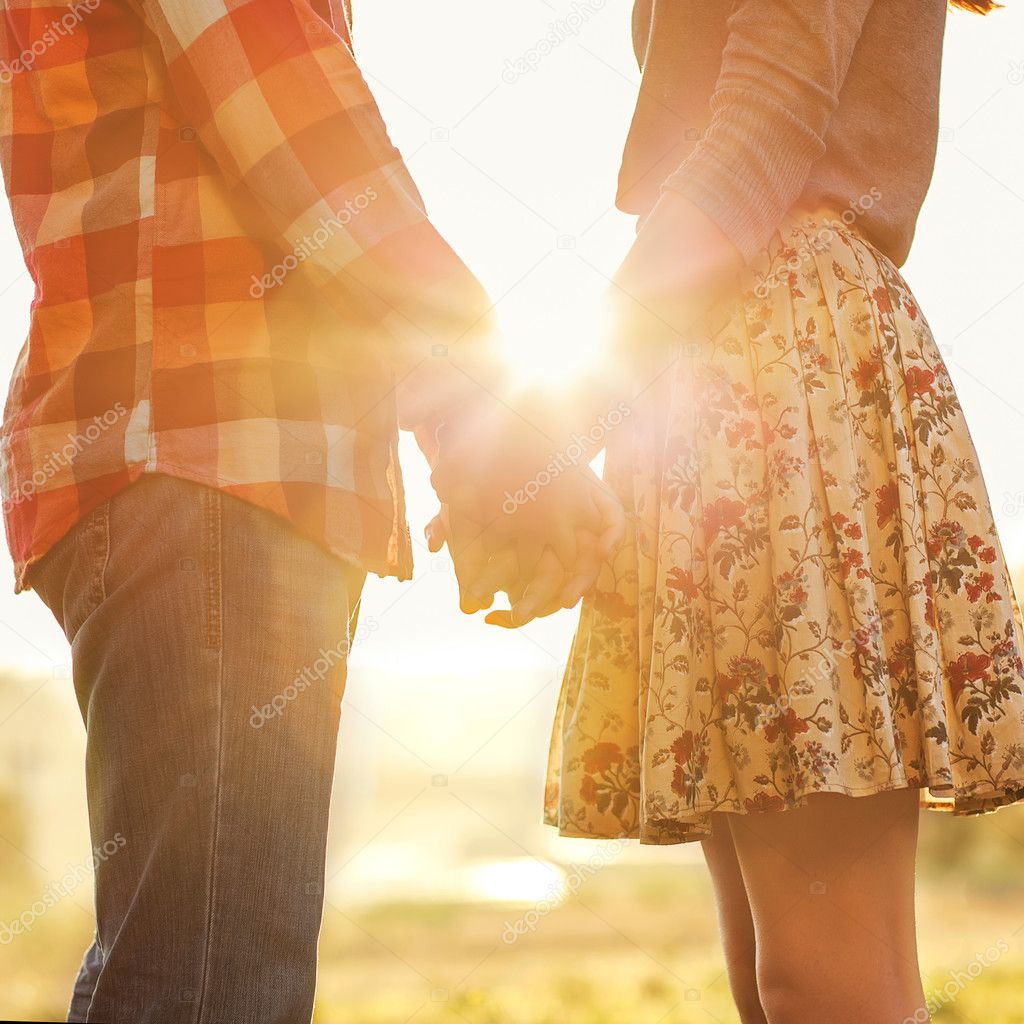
(544, 559)
(545, 550)
(546, 553)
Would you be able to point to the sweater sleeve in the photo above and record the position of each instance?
(783, 68)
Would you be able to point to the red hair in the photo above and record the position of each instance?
(977, 6)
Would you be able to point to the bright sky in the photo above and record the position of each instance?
(519, 173)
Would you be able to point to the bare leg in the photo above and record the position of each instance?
(831, 891)
(735, 922)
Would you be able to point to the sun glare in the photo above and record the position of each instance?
(553, 335)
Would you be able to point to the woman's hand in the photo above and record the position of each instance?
(676, 268)
(539, 577)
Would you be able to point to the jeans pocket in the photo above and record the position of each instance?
(71, 577)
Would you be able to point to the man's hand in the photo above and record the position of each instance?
(515, 557)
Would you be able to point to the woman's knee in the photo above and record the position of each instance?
(782, 986)
(746, 994)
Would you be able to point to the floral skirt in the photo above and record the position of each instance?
(812, 597)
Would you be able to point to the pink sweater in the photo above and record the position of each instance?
(749, 107)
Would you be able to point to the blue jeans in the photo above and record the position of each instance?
(209, 643)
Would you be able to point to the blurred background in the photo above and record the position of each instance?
(447, 900)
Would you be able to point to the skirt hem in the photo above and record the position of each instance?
(694, 827)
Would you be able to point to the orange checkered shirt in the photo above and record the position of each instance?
(233, 268)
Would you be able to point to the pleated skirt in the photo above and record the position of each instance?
(812, 597)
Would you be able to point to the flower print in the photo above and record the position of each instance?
(743, 430)
(600, 757)
(745, 671)
(818, 762)
(968, 668)
(588, 789)
(682, 747)
(865, 373)
(723, 514)
(764, 802)
(852, 559)
(613, 605)
(788, 724)
(682, 783)
(887, 502)
(791, 596)
(919, 382)
(981, 584)
(945, 535)
(812, 596)
(681, 581)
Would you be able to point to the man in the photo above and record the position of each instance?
(238, 296)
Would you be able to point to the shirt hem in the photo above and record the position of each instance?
(400, 569)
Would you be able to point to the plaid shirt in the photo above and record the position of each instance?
(234, 272)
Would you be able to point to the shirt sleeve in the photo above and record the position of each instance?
(782, 71)
(276, 97)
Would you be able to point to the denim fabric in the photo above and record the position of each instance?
(209, 646)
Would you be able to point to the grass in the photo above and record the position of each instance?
(636, 945)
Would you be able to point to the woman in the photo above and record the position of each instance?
(812, 604)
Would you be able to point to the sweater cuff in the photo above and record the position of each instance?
(745, 176)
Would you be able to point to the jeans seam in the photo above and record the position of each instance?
(105, 563)
(214, 556)
(212, 531)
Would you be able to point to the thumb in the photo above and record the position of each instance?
(436, 533)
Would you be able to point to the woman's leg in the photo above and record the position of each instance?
(831, 891)
(734, 921)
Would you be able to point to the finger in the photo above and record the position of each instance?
(585, 574)
(530, 551)
(501, 618)
(436, 533)
(469, 557)
(542, 591)
(516, 590)
(463, 501)
(499, 573)
(562, 542)
(613, 522)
